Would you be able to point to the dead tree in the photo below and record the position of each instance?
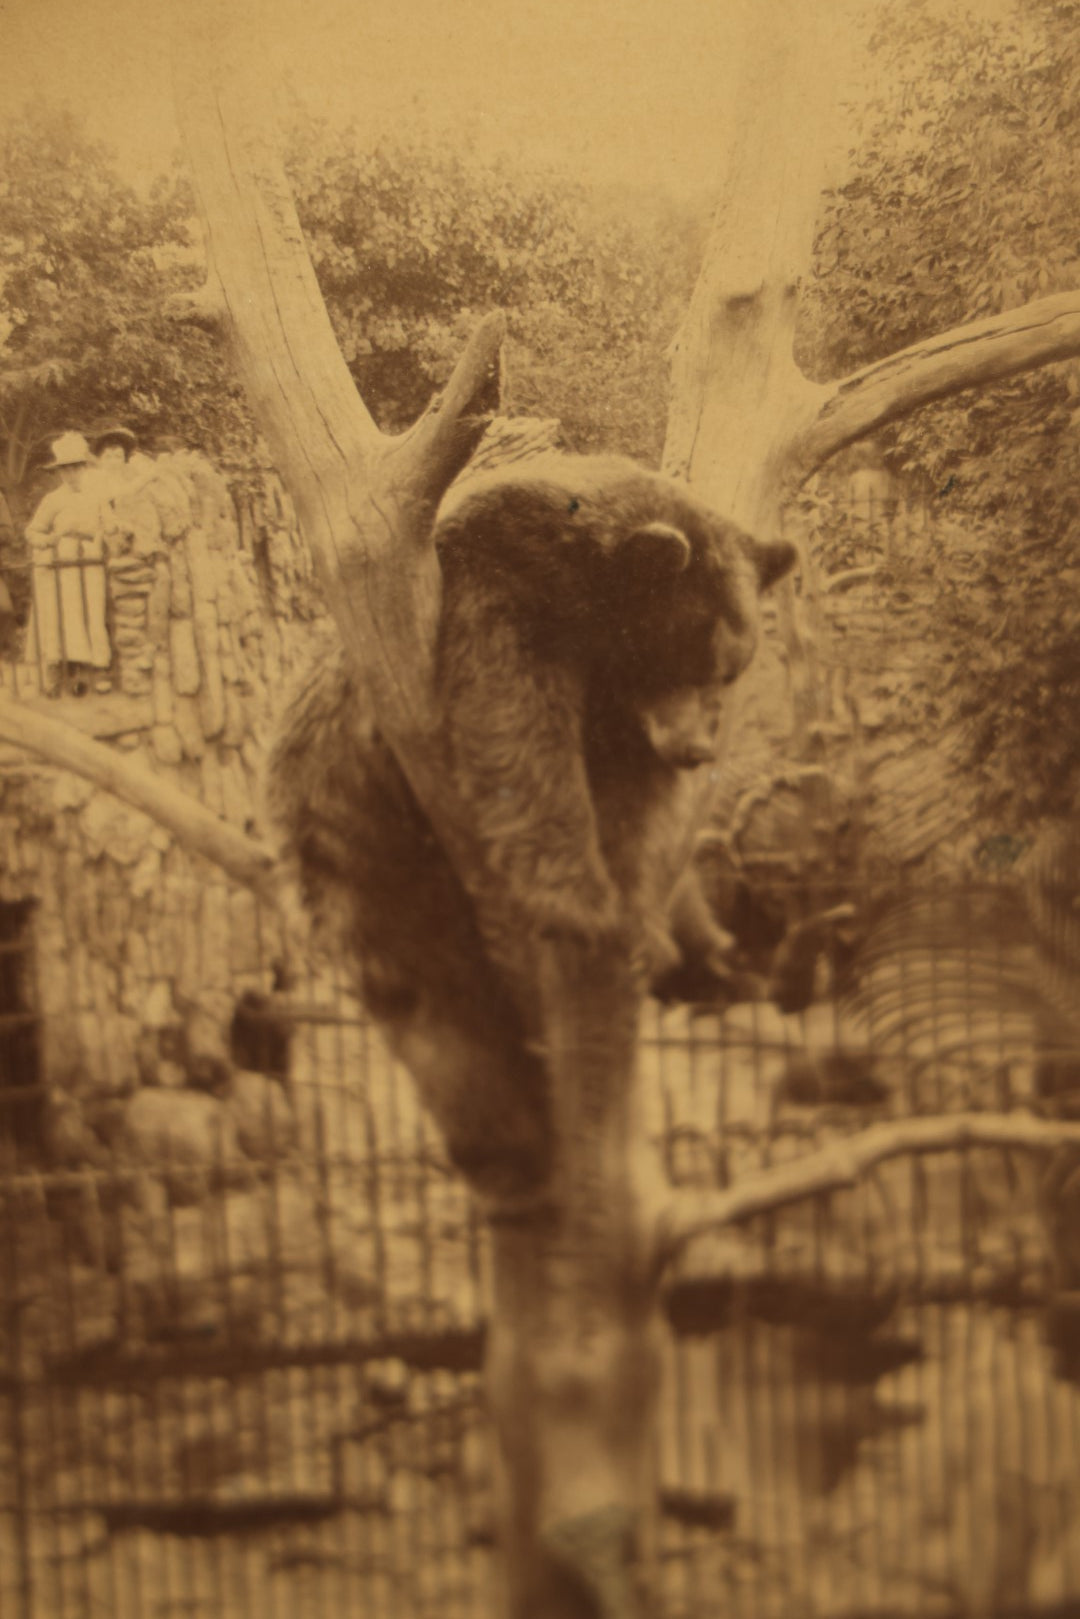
(572, 1363)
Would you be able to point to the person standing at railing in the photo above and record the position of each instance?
(126, 477)
(121, 467)
(66, 537)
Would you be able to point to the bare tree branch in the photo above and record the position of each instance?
(687, 1215)
(514, 439)
(444, 438)
(970, 356)
(296, 377)
(244, 858)
(364, 499)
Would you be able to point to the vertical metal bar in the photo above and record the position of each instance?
(20, 1442)
(214, 1217)
(1071, 1427)
(159, 1212)
(44, 1444)
(329, 1391)
(330, 1168)
(791, 1403)
(816, 1405)
(71, 1410)
(679, 1533)
(475, 1242)
(84, 599)
(336, 1170)
(131, 1399)
(1024, 1460)
(882, 1497)
(57, 572)
(374, 1194)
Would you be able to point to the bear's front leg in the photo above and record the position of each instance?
(514, 722)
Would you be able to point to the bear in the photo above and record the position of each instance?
(594, 618)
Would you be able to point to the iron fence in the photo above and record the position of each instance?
(240, 1344)
(61, 639)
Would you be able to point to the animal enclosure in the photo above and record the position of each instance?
(240, 1349)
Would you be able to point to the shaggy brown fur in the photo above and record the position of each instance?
(594, 616)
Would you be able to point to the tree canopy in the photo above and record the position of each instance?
(960, 204)
(410, 243)
(85, 266)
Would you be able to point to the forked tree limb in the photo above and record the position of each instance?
(970, 356)
(687, 1215)
(197, 828)
(364, 498)
(442, 441)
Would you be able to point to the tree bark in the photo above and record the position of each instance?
(971, 356)
(843, 1163)
(197, 828)
(572, 1367)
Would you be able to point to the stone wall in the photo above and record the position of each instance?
(141, 949)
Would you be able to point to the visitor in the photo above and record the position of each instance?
(123, 467)
(66, 537)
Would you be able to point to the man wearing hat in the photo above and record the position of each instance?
(67, 540)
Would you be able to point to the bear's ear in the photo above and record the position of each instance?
(772, 559)
(658, 547)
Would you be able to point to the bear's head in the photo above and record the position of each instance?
(680, 596)
(622, 572)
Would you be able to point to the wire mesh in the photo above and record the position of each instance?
(240, 1371)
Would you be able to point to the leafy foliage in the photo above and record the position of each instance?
(85, 265)
(411, 242)
(961, 205)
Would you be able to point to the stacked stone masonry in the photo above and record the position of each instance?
(140, 950)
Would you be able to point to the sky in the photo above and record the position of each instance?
(617, 90)
(624, 91)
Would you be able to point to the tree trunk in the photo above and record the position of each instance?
(573, 1379)
(736, 390)
(746, 427)
(738, 397)
(573, 1366)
